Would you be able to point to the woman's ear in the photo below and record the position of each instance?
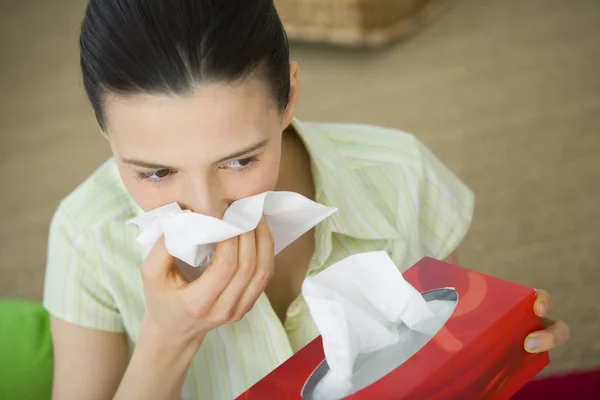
(290, 111)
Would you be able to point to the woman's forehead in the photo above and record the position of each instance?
(214, 109)
(211, 123)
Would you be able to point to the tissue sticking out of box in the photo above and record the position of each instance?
(370, 320)
(192, 237)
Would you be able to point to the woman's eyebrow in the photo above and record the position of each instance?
(151, 165)
(244, 151)
(145, 164)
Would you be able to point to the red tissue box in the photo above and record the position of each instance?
(478, 354)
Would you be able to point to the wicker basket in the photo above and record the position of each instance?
(355, 22)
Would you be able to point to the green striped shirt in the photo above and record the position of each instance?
(391, 192)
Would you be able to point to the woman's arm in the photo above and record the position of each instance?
(91, 364)
(161, 363)
(88, 363)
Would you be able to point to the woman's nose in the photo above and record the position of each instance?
(203, 199)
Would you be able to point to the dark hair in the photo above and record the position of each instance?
(171, 46)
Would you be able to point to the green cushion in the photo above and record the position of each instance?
(26, 357)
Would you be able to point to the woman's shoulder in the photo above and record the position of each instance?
(387, 160)
(101, 198)
(365, 144)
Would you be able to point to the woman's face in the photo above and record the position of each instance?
(203, 151)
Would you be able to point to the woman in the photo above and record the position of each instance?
(196, 99)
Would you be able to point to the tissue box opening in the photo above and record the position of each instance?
(369, 368)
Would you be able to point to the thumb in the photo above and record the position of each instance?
(157, 266)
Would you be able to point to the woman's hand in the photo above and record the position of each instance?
(183, 312)
(180, 313)
(554, 334)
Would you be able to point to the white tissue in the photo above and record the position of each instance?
(361, 305)
(192, 237)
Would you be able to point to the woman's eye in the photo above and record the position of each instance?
(159, 174)
(240, 164)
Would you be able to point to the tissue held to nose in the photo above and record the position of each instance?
(192, 237)
(370, 320)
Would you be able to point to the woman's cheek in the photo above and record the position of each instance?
(245, 185)
(147, 195)
(264, 177)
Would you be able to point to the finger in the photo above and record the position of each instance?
(225, 305)
(158, 264)
(204, 291)
(556, 334)
(543, 303)
(265, 267)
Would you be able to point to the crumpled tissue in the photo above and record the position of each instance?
(370, 319)
(192, 237)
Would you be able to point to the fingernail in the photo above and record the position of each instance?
(532, 343)
(543, 308)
